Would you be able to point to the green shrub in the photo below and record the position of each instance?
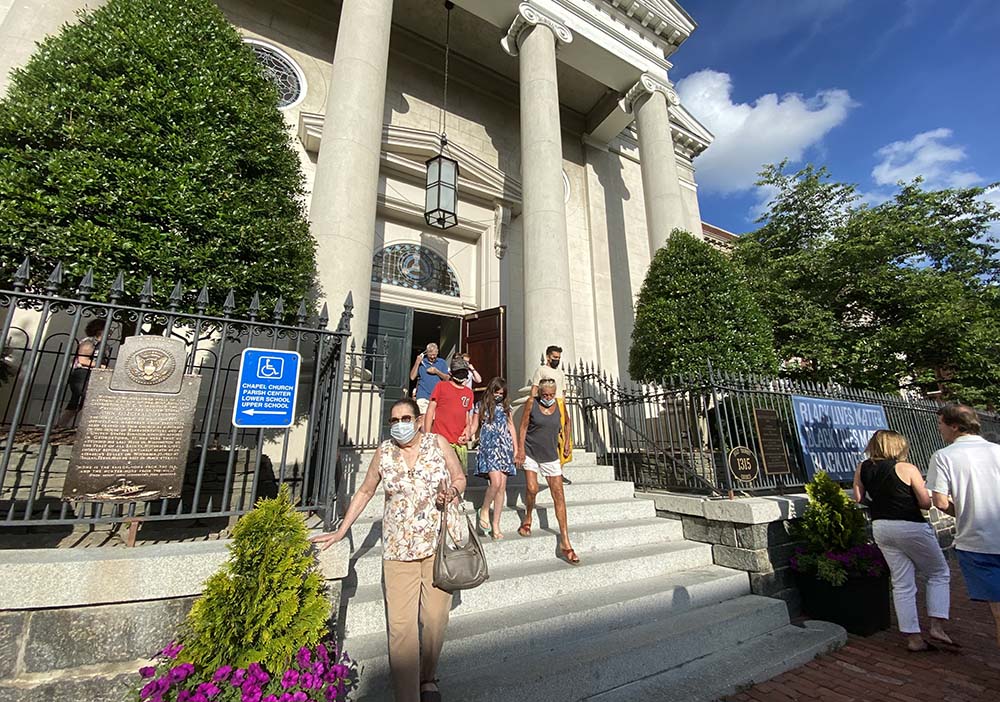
(834, 533)
(146, 139)
(695, 308)
(267, 601)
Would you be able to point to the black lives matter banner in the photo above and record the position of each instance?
(834, 433)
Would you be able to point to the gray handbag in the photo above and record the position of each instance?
(462, 567)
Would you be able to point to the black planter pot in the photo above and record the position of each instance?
(861, 605)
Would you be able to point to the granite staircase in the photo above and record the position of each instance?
(645, 616)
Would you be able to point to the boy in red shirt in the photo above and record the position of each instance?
(450, 410)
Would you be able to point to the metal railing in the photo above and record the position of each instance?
(228, 467)
(677, 435)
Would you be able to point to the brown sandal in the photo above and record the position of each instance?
(569, 555)
(524, 530)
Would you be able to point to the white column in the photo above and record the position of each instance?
(28, 22)
(548, 307)
(661, 189)
(345, 190)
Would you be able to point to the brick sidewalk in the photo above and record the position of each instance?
(880, 668)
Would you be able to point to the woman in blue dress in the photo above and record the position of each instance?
(497, 446)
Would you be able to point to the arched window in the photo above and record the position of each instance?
(279, 67)
(416, 267)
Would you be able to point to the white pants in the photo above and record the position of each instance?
(909, 547)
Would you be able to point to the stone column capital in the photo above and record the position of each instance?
(530, 15)
(648, 85)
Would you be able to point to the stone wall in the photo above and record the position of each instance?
(754, 535)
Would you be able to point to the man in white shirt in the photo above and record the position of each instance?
(968, 471)
(550, 370)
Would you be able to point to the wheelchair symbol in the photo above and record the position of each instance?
(270, 367)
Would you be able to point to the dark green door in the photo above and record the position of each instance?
(392, 327)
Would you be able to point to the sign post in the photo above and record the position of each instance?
(268, 384)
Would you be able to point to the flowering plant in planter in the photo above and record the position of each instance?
(835, 536)
(257, 632)
(316, 675)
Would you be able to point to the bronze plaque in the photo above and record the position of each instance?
(743, 464)
(772, 441)
(135, 426)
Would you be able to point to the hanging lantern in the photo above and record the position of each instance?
(441, 195)
(441, 203)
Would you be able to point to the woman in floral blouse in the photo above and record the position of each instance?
(422, 475)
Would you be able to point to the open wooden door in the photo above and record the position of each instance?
(392, 327)
(484, 337)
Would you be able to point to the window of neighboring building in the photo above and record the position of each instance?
(286, 75)
(416, 267)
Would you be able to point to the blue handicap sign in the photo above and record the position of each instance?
(268, 383)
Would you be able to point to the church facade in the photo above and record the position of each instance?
(573, 149)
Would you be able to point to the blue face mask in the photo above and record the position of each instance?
(547, 403)
(403, 432)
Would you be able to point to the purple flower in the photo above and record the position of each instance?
(256, 672)
(290, 679)
(252, 696)
(322, 653)
(147, 672)
(238, 677)
(331, 693)
(181, 672)
(172, 650)
(184, 696)
(304, 657)
(308, 681)
(222, 673)
(270, 698)
(300, 697)
(208, 689)
(198, 697)
(149, 689)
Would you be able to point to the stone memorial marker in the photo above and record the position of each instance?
(135, 426)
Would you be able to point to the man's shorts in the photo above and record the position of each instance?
(463, 455)
(548, 469)
(982, 574)
(423, 403)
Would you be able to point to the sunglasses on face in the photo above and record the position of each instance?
(404, 418)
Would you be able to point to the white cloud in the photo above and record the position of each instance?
(747, 136)
(925, 155)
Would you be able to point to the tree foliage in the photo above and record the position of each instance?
(695, 308)
(146, 138)
(267, 601)
(902, 293)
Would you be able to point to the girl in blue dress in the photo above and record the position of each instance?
(497, 446)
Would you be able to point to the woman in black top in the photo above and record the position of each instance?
(896, 495)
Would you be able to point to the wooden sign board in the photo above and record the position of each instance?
(772, 441)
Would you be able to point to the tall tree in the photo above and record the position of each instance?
(903, 293)
(695, 308)
(145, 138)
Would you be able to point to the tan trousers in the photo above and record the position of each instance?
(417, 616)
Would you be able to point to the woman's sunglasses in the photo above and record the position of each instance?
(404, 418)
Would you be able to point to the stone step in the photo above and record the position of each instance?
(520, 583)
(546, 624)
(579, 661)
(367, 530)
(730, 669)
(577, 493)
(578, 474)
(586, 538)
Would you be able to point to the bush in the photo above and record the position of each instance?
(266, 602)
(835, 535)
(146, 139)
(695, 308)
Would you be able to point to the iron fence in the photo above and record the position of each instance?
(228, 467)
(677, 435)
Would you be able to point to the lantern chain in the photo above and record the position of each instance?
(448, 5)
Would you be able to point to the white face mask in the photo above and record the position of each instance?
(547, 403)
(403, 432)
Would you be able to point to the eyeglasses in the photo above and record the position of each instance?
(404, 418)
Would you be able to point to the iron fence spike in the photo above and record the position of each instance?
(255, 303)
(230, 304)
(147, 292)
(279, 309)
(55, 278)
(177, 295)
(324, 316)
(118, 287)
(23, 271)
(87, 284)
(302, 313)
(202, 302)
(354, 346)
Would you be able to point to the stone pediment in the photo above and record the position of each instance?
(664, 18)
(405, 150)
(688, 131)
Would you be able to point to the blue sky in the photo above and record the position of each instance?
(876, 90)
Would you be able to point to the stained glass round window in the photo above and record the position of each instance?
(282, 71)
(415, 267)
